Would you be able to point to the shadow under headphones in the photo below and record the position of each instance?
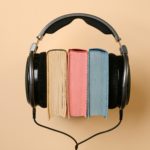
(119, 70)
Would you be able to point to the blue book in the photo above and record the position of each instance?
(98, 82)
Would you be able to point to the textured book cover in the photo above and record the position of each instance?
(57, 82)
(77, 82)
(98, 80)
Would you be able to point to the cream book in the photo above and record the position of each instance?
(57, 82)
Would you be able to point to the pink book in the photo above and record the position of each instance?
(77, 82)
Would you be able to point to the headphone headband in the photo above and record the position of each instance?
(64, 20)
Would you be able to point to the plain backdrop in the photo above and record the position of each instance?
(21, 21)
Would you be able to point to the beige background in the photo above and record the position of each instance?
(21, 21)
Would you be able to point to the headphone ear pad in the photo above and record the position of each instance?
(120, 62)
(113, 81)
(40, 79)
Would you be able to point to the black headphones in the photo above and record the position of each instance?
(119, 69)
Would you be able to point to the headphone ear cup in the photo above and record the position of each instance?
(29, 79)
(113, 81)
(123, 103)
(40, 79)
(128, 87)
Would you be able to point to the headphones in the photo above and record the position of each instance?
(119, 69)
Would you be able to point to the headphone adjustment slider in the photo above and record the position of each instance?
(33, 47)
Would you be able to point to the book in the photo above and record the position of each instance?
(77, 82)
(98, 81)
(57, 82)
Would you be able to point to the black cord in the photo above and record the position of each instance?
(34, 118)
(87, 139)
(101, 132)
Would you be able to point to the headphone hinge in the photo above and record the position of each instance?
(39, 37)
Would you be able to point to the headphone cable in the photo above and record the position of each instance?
(71, 137)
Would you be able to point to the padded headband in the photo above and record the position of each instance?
(64, 20)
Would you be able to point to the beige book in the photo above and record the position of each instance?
(57, 82)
